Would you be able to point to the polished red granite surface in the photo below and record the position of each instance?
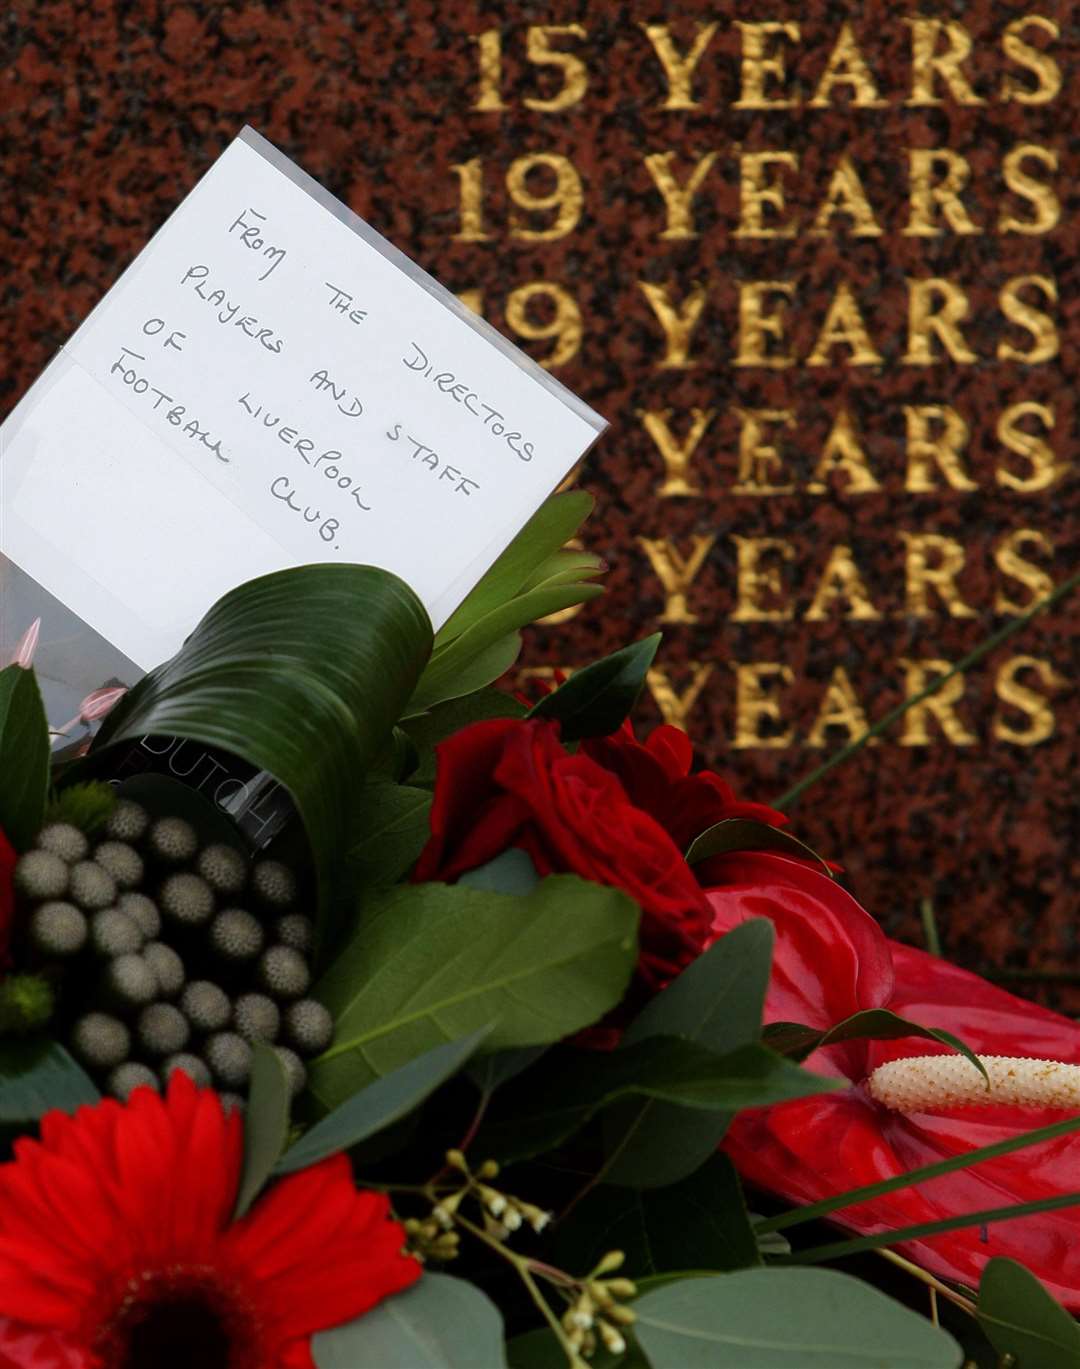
(885, 435)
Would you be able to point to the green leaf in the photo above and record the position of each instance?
(541, 1350)
(302, 673)
(266, 1123)
(24, 756)
(381, 1104)
(700, 1223)
(428, 729)
(485, 667)
(778, 1318)
(1021, 1319)
(717, 1001)
(500, 1067)
(37, 1076)
(597, 700)
(744, 834)
(392, 828)
(433, 962)
(553, 1102)
(873, 1024)
(439, 1323)
(511, 872)
(565, 565)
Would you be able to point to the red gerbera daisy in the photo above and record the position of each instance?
(116, 1236)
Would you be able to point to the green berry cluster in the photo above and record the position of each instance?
(169, 969)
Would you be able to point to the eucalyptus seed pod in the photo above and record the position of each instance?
(273, 883)
(125, 1079)
(100, 1041)
(205, 1005)
(129, 982)
(128, 821)
(229, 1058)
(187, 899)
(92, 887)
(294, 1070)
(114, 933)
(284, 972)
(42, 875)
(65, 840)
(122, 861)
(145, 912)
(223, 868)
(309, 1028)
(167, 966)
(173, 840)
(58, 929)
(162, 1029)
(195, 1068)
(295, 930)
(256, 1017)
(236, 936)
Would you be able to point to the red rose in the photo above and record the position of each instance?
(7, 895)
(510, 783)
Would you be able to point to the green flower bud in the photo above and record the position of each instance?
(26, 1004)
(114, 933)
(223, 868)
(58, 929)
(122, 861)
(145, 912)
(295, 930)
(167, 966)
(41, 875)
(229, 1058)
(188, 899)
(128, 821)
(294, 1070)
(308, 1026)
(129, 981)
(284, 972)
(125, 1079)
(205, 1006)
(256, 1017)
(273, 883)
(91, 886)
(195, 1069)
(236, 935)
(65, 840)
(173, 840)
(162, 1029)
(100, 1041)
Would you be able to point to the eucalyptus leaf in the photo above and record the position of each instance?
(438, 1323)
(302, 673)
(1021, 1319)
(381, 1104)
(511, 872)
(266, 1123)
(38, 1075)
(433, 962)
(745, 834)
(24, 756)
(499, 1068)
(872, 1024)
(776, 1319)
(598, 699)
(393, 824)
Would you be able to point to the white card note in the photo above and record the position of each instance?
(270, 383)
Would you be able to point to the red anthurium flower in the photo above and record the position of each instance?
(7, 896)
(832, 960)
(118, 1249)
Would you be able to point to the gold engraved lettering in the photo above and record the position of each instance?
(759, 67)
(844, 325)
(678, 198)
(564, 327)
(843, 453)
(489, 55)
(471, 176)
(840, 707)
(933, 562)
(927, 64)
(1045, 466)
(758, 189)
(937, 176)
(674, 707)
(757, 582)
(925, 321)
(1041, 64)
(1042, 327)
(756, 326)
(1009, 560)
(679, 67)
(1047, 205)
(1019, 696)
(574, 74)
(841, 580)
(676, 455)
(676, 572)
(916, 731)
(846, 195)
(847, 66)
(567, 197)
(756, 683)
(677, 320)
(936, 436)
(760, 460)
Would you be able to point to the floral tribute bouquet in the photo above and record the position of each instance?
(524, 1045)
